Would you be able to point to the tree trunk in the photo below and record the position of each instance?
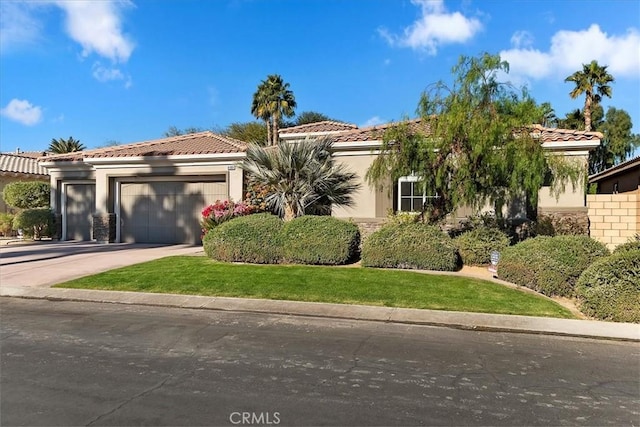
(268, 122)
(587, 112)
(289, 213)
(275, 129)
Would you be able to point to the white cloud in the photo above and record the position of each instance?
(22, 111)
(105, 74)
(373, 121)
(97, 26)
(434, 28)
(521, 39)
(570, 49)
(18, 26)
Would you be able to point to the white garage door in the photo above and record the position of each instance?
(166, 211)
(80, 202)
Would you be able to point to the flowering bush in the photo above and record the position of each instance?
(221, 211)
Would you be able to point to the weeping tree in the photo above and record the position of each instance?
(473, 145)
(301, 178)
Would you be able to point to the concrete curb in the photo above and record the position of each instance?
(459, 320)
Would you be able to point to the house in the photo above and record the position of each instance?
(19, 166)
(614, 212)
(154, 191)
(621, 178)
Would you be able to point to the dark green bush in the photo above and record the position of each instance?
(27, 194)
(326, 240)
(253, 238)
(475, 246)
(416, 246)
(549, 265)
(610, 288)
(632, 245)
(35, 223)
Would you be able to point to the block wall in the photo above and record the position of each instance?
(614, 218)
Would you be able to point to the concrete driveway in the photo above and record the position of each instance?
(42, 264)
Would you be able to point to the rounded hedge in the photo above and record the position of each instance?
(475, 246)
(550, 265)
(27, 194)
(311, 239)
(415, 246)
(610, 288)
(35, 223)
(253, 238)
(633, 245)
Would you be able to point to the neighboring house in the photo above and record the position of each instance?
(19, 166)
(154, 191)
(621, 178)
(614, 212)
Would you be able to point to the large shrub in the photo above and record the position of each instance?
(550, 265)
(253, 238)
(416, 246)
(6, 223)
(610, 288)
(35, 223)
(27, 194)
(475, 246)
(313, 239)
(632, 245)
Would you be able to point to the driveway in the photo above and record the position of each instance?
(42, 264)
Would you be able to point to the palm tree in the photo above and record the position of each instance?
(593, 81)
(61, 146)
(272, 101)
(302, 177)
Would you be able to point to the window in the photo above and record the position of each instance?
(410, 197)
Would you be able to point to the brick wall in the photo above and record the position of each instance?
(614, 218)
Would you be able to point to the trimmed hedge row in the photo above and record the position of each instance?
(475, 246)
(414, 246)
(254, 238)
(265, 239)
(550, 265)
(320, 240)
(610, 288)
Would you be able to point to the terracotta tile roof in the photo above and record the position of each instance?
(559, 135)
(374, 133)
(15, 164)
(318, 127)
(194, 143)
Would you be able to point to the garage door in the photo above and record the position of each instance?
(80, 202)
(166, 211)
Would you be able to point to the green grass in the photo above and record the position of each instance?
(202, 276)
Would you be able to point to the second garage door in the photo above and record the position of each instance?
(166, 211)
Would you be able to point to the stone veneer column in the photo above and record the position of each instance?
(104, 227)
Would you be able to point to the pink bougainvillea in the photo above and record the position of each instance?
(221, 211)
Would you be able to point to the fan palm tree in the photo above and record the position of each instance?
(593, 81)
(61, 145)
(272, 101)
(302, 177)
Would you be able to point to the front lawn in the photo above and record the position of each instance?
(201, 276)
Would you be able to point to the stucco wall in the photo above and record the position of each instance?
(627, 181)
(614, 218)
(369, 202)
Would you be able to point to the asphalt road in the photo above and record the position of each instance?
(71, 363)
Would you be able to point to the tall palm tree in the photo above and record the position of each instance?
(272, 101)
(61, 145)
(302, 177)
(593, 80)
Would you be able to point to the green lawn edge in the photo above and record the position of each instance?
(198, 275)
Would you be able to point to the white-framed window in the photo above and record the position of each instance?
(410, 197)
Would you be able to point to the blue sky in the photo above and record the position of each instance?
(128, 70)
